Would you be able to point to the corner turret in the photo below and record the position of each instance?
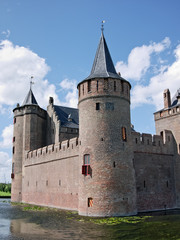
(29, 134)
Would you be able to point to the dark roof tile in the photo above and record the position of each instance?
(64, 112)
(103, 66)
(30, 99)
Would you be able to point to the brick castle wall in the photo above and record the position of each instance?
(170, 119)
(51, 175)
(154, 168)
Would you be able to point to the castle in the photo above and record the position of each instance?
(90, 159)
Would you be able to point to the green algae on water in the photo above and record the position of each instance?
(119, 220)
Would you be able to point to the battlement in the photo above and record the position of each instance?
(53, 152)
(104, 86)
(29, 109)
(172, 111)
(159, 144)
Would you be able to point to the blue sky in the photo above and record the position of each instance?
(55, 41)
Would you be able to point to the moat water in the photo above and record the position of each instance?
(16, 223)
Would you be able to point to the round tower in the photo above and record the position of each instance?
(28, 134)
(107, 179)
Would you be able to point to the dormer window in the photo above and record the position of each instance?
(70, 118)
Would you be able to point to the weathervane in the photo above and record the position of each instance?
(102, 26)
(31, 82)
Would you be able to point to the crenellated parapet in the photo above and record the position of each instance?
(166, 113)
(158, 144)
(53, 152)
(103, 87)
(29, 109)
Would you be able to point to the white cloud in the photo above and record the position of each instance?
(7, 135)
(72, 95)
(17, 65)
(5, 166)
(152, 93)
(139, 60)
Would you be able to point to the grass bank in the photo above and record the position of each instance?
(5, 194)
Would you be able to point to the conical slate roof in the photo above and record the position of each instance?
(30, 99)
(103, 66)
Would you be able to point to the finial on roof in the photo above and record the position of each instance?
(102, 25)
(31, 82)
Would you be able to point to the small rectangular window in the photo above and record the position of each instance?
(87, 159)
(114, 164)
(97, 85)
(124, 137)
(79, 90)
(14, 121)
(90, 202)
(89, 85)
(97, 106)
(161, 133)
(46, 182)
(13, 150)
(12, 167)
(13, 139)
(114, 85)
(122, 87)
(86, 169)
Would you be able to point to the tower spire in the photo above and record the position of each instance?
(103, 66)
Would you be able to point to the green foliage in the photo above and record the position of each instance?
(5, 187)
